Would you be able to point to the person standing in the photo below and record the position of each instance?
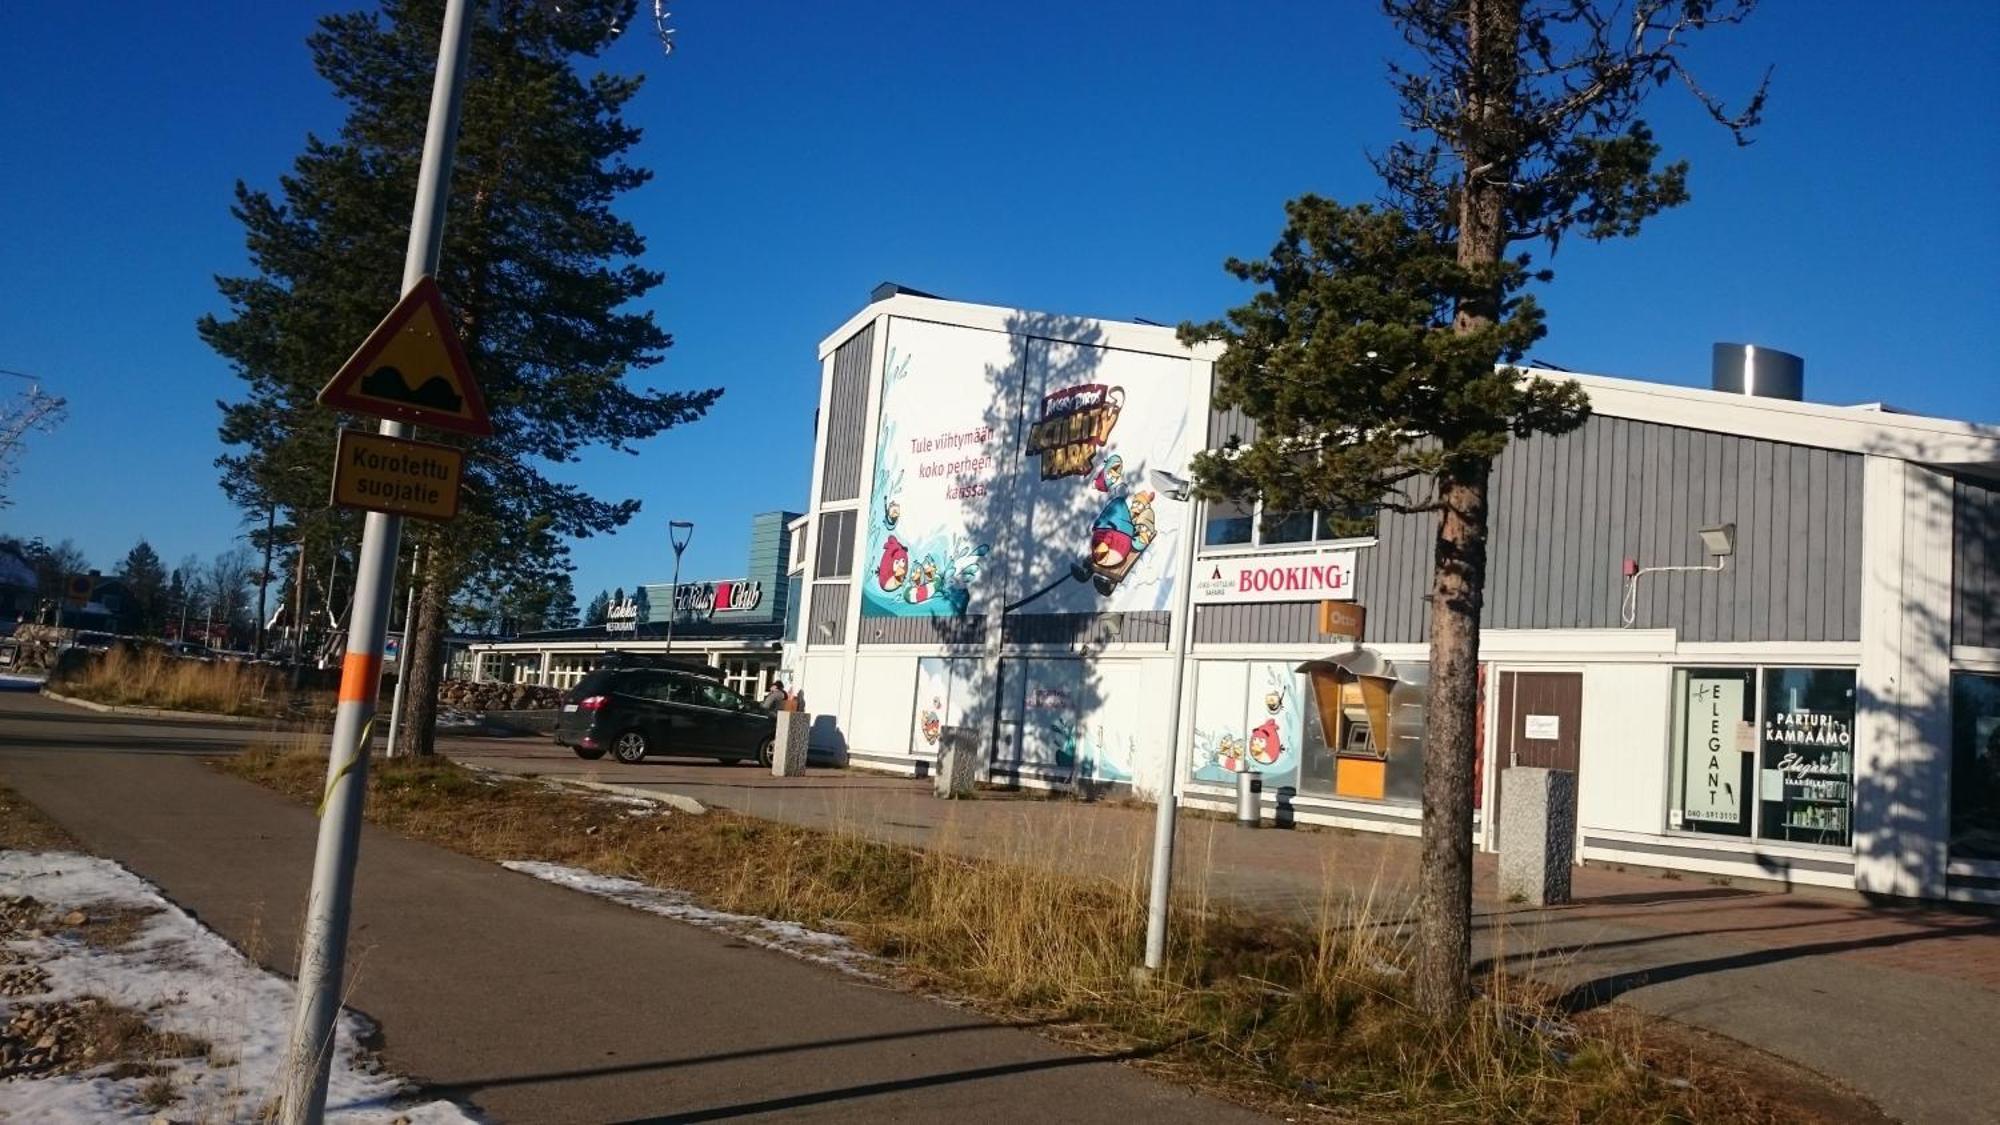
(776, 698)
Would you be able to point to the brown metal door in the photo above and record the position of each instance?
(1541, 721)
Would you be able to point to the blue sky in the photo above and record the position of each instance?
(1097, 159)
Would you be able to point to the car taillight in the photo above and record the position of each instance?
(590, 703)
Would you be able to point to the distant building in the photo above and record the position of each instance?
(732, 624)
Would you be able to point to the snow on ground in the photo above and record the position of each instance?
(187, 979)
(791, 938)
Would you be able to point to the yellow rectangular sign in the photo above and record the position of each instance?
(396, 475)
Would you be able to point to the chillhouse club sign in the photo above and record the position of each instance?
(1295, 578)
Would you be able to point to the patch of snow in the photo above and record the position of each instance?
(185, 978)
(831, 950)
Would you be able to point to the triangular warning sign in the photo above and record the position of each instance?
(412, 369)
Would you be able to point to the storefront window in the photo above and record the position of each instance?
(1715, 749)
(1975, 766)
(1287, 527)
(1806, 783)
(1229, 523)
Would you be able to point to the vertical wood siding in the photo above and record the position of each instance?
(829, 610)
(967, 630)
(846, 418)
(1975, 557)
(1565, 512)
(1147, 627)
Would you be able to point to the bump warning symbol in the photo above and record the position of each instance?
(412, 369)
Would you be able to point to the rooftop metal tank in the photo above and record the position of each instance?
(1747, 369)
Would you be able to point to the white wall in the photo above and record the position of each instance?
(824, 684)
(1903, 726)
(1622, 774)
(885, 692)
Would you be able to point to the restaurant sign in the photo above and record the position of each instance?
(701, 599)
(1286, 578)
(622, 616)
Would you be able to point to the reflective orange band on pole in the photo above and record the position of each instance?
(360, 677)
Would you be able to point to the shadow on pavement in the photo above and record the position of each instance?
(463, 1091)
(1602, 990)
(874, 1089)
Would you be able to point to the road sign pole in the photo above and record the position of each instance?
(402, 660)
(1159, 898)
(323, 947)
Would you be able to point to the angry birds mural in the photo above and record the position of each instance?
(1248, 716)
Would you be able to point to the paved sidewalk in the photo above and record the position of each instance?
(1902, 1004)
(536, 1003)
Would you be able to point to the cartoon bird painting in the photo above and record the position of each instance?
(894, 566)
(1266, 746)
(1229, 753)
(1110, 474)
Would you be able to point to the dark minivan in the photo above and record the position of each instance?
(637, 711)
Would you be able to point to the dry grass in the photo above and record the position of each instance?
(1309, 1020)
(153, 678)
(24, 828)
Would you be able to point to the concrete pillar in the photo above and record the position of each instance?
(1537, 834)
(788, 748)
(959, 755)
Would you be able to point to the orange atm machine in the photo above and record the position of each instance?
(1352, 690)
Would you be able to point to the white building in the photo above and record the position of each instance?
(996, 545)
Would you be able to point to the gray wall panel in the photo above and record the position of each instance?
(1975, 588)
(846, 419)
(829, 614)
(1567, 511)
(1149, 627)
(968, 630)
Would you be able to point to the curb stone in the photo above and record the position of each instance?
(163, 713)
(678, 801)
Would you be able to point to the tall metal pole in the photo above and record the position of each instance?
(264, 576)
(323, 948)
(679, 533)
(402, 660)
(1166, 810)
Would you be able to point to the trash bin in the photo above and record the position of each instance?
(1248, 784)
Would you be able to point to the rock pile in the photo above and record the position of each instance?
(474, 695)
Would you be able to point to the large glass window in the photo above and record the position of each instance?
(1230, 523)
(1715, 749)
(1975, 766)
(1286, 527)
(1766, 752)
(1806, 785)
(836, 545)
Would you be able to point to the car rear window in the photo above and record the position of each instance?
(593, 683)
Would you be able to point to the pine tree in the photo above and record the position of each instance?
(599, 610)
(145, 579)
(1374, 357)
(538, 268)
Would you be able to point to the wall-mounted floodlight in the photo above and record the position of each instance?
(1719, 540)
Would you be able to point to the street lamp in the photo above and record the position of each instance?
(679, 533)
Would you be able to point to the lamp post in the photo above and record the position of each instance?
(679, 533)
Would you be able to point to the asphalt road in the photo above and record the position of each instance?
(535, 1003)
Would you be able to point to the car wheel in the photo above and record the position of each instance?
(629, 747)
(589, 753)
(764, 754)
